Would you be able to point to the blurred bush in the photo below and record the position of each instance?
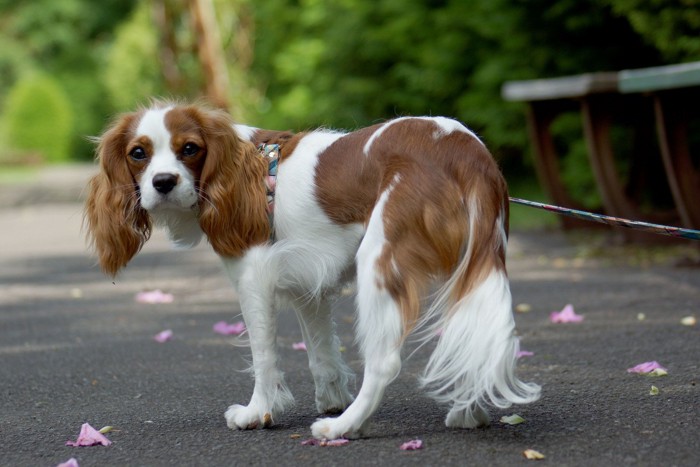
(129, 72)
(38, 121)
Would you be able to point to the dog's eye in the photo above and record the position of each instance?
(190, 149)
(137, 154)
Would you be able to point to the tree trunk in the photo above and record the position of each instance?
(210, 53)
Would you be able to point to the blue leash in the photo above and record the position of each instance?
(677, 232)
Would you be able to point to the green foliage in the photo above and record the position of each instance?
(346, 63)
(350, 62)
(671, 26)
(64, 39)
(38, 119)
(130, 74)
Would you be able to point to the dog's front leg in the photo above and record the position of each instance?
(270, 394)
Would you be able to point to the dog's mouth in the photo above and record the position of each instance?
(169, 202)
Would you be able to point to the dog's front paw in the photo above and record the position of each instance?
(248, 417)
(334, 428)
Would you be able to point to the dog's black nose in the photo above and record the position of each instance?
(164, 183)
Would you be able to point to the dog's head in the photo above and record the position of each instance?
(173, 160)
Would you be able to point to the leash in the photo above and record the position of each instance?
(670, 231)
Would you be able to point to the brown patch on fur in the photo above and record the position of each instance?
(117, 225)
(229, 174)
(287, 140)
(443, 183)
(347, 182)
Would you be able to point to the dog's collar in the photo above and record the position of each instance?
(271, 153)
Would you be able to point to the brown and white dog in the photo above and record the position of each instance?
(405, 206)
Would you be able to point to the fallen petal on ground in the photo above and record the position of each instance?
(222, 327)
(89, 437)
(514, 419)
(325, 442)
(653, 368)
(72, 462)
(689, 321)
(566, 315)
(412, 445)
(154, 296)
(532, 454)
(163, 336)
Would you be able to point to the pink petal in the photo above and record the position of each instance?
(299, 346)
(222, 327)
(335, 442)
(412, 445)
(567, 315)
(154, 296)
(524, 353)
(72, 462)
(325, 442)
(646, 367)
(163, 336)
(89, 437)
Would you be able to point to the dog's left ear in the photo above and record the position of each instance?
(233, 201)
(117, 225)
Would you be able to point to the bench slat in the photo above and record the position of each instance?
(659, 78)
(565, 87)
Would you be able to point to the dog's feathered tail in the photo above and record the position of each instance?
(473, 363)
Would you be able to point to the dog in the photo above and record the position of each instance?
(415, 208)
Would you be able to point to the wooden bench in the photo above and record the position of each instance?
(601, 99)
(675, 91)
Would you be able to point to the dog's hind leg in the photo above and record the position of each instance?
(331, 374)
(379, 331)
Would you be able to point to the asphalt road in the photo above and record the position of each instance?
(75, 348)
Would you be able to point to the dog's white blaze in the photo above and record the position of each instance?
(152, 125)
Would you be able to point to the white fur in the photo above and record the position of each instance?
(310, 256)
(474, 359)
(379, 329)
(474, 362)
(244, 131)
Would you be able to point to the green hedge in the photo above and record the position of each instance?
(38, 120)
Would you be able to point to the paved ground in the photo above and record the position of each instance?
(75, 348)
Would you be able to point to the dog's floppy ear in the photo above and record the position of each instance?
(117, 225)
(233, 205)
